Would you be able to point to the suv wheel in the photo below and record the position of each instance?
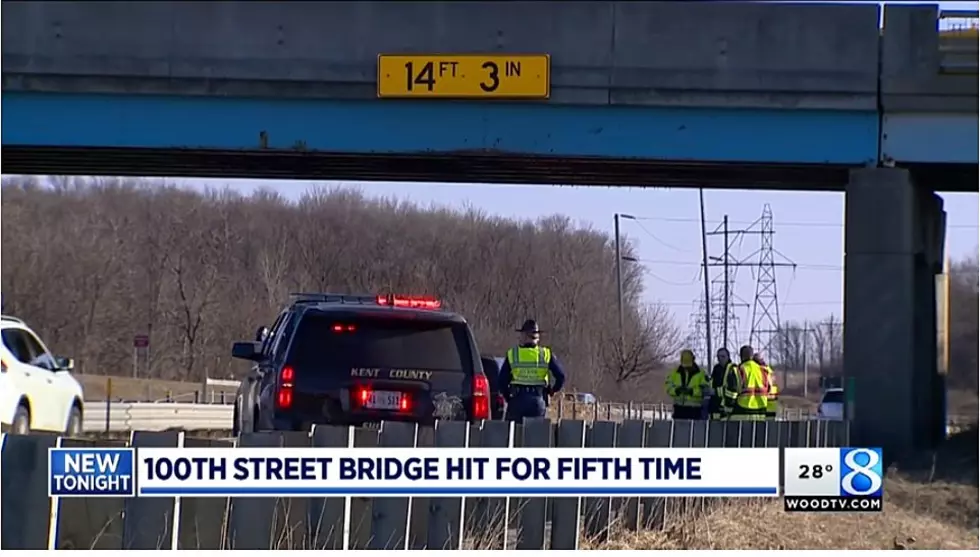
(22, 421)
(236, 422)
(74, 427)
(253, 424)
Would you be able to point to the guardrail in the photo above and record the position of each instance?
(959, 47)
(223, 383)
(162, 416)
(156, 416)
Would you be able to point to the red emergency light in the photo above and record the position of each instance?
(417, 302)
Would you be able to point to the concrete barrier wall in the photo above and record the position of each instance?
(32, 521)
(918, 71)
(632, 53)
(737, 54)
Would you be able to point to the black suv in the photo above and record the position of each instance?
(354, 359)
(491, 368)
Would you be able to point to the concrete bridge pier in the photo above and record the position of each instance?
(893, 246)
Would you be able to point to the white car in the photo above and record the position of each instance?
(831, 405)
(37, 390)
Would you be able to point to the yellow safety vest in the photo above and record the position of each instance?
(772, 402)
(753, 392)
(695, 381)
(529, 366)
(727, 392)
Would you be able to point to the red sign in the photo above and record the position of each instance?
(141, 341)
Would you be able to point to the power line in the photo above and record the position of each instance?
(781, 303)
(804, 266)
(658, 240)
(781, 223)
(658, 278)
(799, 266)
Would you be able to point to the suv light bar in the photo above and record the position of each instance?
(418, 302)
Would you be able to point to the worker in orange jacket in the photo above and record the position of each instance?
(772, 401)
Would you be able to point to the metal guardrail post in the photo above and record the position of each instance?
(108, 403)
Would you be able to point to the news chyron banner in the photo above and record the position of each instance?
(421, 472)
(833, 480)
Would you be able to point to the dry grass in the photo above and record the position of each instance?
(96, 387)
(931, 502)
(764, 525)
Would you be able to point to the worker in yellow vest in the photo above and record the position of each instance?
(529, 375)
(772, 402)
(687, 386)
(748, 388)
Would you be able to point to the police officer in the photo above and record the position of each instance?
(529, 374)
(747, 389)
(772, 401)
(686, 386)
(717, 407)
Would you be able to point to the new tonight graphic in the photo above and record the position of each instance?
(91, 472)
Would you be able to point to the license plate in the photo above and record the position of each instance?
(384, 400)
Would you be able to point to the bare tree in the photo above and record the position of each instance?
(196, 271)
(828, 343)
(963, 331)
(790, 346)
(647, 347)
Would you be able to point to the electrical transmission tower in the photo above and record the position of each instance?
(765, 309)
(725, 320)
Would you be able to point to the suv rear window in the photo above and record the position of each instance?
(833, 397)
(381, 343)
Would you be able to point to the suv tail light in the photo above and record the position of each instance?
(362, 395)
(481, 397)
(284, 399)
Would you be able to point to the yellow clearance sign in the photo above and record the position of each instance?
(464, 76)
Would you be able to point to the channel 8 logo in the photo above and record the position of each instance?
(861, 472)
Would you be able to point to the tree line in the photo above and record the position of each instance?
(92, 263)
